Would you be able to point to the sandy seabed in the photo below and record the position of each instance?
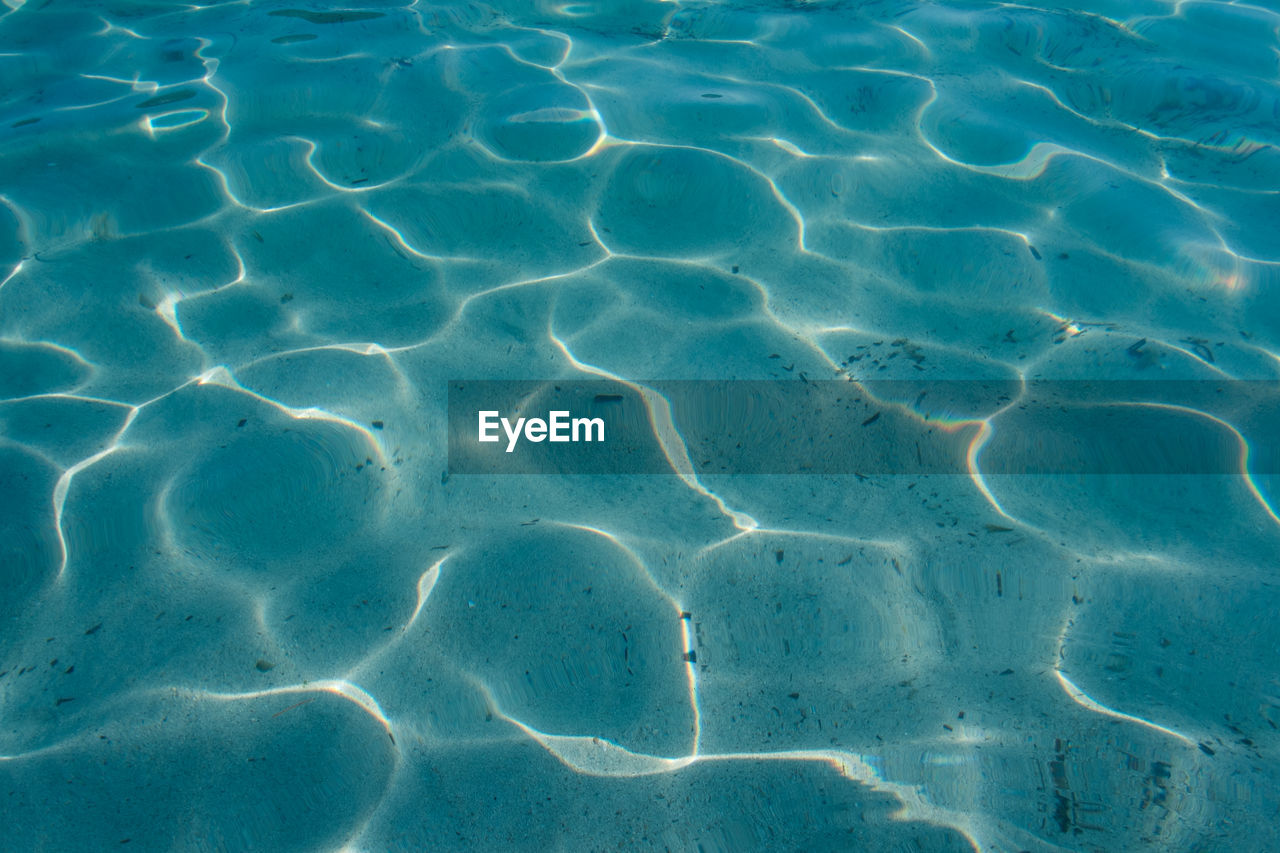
(245, 246)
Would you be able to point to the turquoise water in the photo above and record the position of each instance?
(249, 604)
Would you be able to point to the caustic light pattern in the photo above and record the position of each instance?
(245, 246)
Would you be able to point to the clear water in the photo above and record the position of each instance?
(244, 247)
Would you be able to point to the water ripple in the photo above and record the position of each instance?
(243, 247)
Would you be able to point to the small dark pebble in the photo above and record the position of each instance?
(242, 422)
(686, 615)
(287, 297)
(264, 665)
(95, 629)
(1205, 749)
(67, 699)
(779, 554)
(1034, 253)
(1007, 672)
(869, 421)
(377, 424)
(794, 695)
(690, 657)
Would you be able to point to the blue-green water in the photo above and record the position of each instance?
(244, 248)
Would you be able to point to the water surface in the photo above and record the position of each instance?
(245, 247)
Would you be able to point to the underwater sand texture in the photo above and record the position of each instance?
(245, 246)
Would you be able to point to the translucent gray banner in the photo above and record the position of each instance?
(867, 428)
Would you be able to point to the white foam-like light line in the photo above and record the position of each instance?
(64, 484)
(110, 27)
(1203, 362)
(167, 308)
(1037, 159)
(691, 678)
(831, 123)
(217, 376)
(221, 376)
(67, 351)
(893, 546)
(975, 473)
(691, 671)
(364, 349)
(628, 550)
(1085, 701)
(985, 430)
(512, 285)
(790, 147)
(402, 242)
(602, 137)
(794, 212)
(131, 83)
(1243, 443)
(664, 429)
(151, 129)
(39, 751)
(426, 583)
(915, 39)
(321, 60)
(596, 756)
(555, 34)
(312, 147)
(602, 141)
(1262, 262)
(338, 687)
(17, 268)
